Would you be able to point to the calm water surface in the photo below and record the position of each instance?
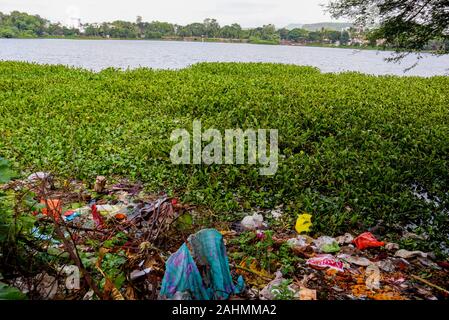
(99, 54)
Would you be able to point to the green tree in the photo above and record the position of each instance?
(192, 30)
(70, 32)
(92, 30)
(140, 25)
(123, 29)
(55, 29)
(283, 33)
(157, 29)
(331, 35)
(211, 28)
(269, 32)
(404, 24)
(344, 37)
(231, 32)
(298, 35)
(8, 32)
(19, 24)
(314, 36)
(28, 23)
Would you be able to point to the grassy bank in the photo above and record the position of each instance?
(351, 145)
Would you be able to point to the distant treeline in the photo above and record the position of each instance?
(338, 26)
(22, 25)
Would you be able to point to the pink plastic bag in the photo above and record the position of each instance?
(326, 261)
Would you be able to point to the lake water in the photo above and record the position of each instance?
(99, 54)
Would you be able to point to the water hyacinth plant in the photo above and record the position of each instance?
(351, 146)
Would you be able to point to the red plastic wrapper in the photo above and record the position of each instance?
(367, 240)
(96, 216)
(69, 213)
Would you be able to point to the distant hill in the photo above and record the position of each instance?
(338, 26)
(292, 26)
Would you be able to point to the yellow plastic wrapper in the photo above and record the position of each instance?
(303, 223)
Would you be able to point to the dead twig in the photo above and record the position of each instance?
(430, 284)
(75, 227)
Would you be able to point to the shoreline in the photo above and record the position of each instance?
(213, 40)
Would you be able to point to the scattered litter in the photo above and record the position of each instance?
(372, 277)
(39, 236)
(349, 250)
(100, 184)
(89, 295)
(267, 292)
(386, 265)
(129, 237)
(367, 240)
(326, 244)
(359, 261)
(120, 216)
(347, 238)
(71, 215)
(72, 281)
(139, 273)
(305, 280)
(260, 234)
(110, 210)
(307, 294)
(324, 261)
(96, 216)
(43, 284)
(410, 254)
(414, 236)
(392, 246)
(443, 264)
(53, 207)
(276, 214)
(279, 288)
(40, 177)
(426, 262)
(297, 242)
(253, 222)
(303, 223)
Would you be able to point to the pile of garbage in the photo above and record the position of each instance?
(118, 242)
(351, 267)
(107, 242)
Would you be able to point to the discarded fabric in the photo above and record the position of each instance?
(208, 254)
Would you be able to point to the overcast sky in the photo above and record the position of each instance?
(248, 13)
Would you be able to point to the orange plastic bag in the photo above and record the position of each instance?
(367, 240)
(53, 207)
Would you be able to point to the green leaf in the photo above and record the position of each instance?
(10, 293)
